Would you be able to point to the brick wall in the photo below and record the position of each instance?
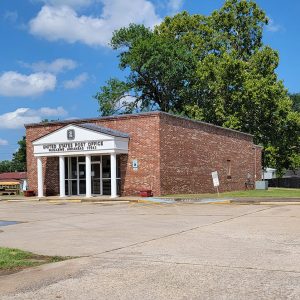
(191, 150)
(175, 155)
(50, 165)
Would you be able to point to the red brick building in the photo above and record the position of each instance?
(121, 155)
(15, 176)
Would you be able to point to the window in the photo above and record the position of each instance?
(96, 158)
(228, 166)
(81, 158)
(106, 175)
(71, 176)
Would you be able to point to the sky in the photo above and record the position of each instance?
(54, 54)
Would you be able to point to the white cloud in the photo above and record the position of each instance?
(48, 111)
(76, 82)
(56, 66)
(3, 142)
(175, 5)
(71, 3)
(11, 16)
(63, 22)
(19, 117)
(20, 85)
(272, 26)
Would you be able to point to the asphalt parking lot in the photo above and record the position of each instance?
(155, 251)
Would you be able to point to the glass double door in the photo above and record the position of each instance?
(96, 178)
(75, 175)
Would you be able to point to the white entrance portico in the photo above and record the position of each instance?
(88, 159)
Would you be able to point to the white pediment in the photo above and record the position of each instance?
(77, 140)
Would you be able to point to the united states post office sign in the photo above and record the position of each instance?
(72, 146)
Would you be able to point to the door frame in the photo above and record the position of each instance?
(99, 162)
(78, 179)
(68, 175)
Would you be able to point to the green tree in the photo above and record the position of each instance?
(160, 73)
(296, 101)
(18, 162)
(19, 157)
(213, 68)
(5, 166)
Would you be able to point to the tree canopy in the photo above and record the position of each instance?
(18, 162)
(296, 101)
(212, 68)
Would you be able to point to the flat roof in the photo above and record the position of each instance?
(143, 114)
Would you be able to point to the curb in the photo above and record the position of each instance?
(279, 203)
(158, 201)
(62, 201)
(19, 200)
(221, 202)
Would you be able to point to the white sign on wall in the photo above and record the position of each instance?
(215, 178)
(135, 164)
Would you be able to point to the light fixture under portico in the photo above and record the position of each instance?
(76, 146)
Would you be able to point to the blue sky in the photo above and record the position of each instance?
(54, 53)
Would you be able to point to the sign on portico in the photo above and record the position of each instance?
(80, 140)
(71, 134)
(76, 146)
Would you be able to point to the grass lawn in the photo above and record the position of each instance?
(270, 193)
(14, 260)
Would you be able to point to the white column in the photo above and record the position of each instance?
(62, 191)
(113, 171)
(88, 174)
(40, 177)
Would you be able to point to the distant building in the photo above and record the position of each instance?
(269, 173)
(292, 174)
(13, 176)
(12, 182)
